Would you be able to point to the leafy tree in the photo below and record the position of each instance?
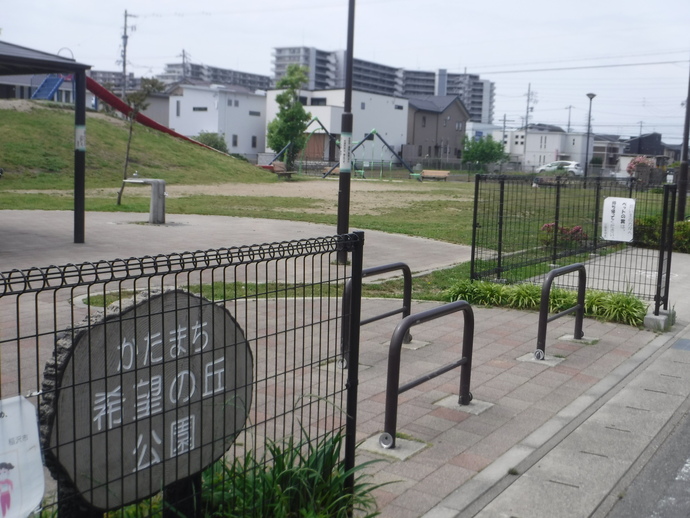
(290, 124)
(137, 103)
(213, 140)
(483, 151)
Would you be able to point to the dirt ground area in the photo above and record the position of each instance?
(366, 197)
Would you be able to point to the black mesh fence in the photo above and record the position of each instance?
(525, 226)
(171, 385)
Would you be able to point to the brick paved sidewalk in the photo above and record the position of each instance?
(522, 394)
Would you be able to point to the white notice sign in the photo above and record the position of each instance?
(21, 465)
(617, 222)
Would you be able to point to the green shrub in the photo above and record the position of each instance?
(524, 296)
(214, 140)
(681, 237)
(624, 308)
(560, 299)
(294, 479)
(613, 307)
(647, 231)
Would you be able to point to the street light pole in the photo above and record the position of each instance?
(589, 130)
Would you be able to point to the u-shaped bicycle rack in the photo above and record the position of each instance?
(578, 309)
(405, 310)
(393, 390)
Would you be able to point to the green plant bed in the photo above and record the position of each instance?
(611, 307)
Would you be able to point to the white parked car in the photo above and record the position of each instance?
(562, 166)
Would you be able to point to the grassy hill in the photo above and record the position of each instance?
(37, 152)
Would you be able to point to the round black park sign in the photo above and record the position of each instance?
(145, 397)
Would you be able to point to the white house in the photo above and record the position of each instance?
(232, 111)
(544, 144)
(387, 115)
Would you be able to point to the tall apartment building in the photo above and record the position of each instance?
(327, 70)
(175, 72)
(115, 79)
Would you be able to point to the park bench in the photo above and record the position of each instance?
(433, 174)
(279, 169)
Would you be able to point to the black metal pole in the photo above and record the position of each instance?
(589, 130)
(683, 173)
(80, 156)
(346, 136)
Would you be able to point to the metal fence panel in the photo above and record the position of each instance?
(525, 226)
(149, 370)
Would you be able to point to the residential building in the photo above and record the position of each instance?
(236, 113)
(648, 144)
(435, 127)
(385, 114)
(608, 148)
(24, 86)
(176, 72)
(327, 70)
(113, 81)
(320, 63)
(543, 144)
(478, 130)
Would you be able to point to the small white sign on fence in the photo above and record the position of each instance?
(21, 465)
(617, 222)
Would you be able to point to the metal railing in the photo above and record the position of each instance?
(578, 308)
(148, 372)
(405, 309)
(393, 388)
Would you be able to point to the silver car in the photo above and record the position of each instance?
(562, 166)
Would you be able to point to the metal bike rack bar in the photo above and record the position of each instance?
(578, 309)
(393, 390)
(405, 310)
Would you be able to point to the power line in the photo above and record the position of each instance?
(588, 67)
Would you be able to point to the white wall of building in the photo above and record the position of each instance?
(237, 115)
(544, 147)
(387, 115)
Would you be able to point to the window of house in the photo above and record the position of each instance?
(237, 103)
(398, 107)
(363, 106)
(303, 101)
(199, 109)
(230, 102)
(234, 141)
(419, 151)
(428, 153)
(423, 121)
(177, 108)
(254, 139)
(254, 114)
(458, 126)
(318, 101)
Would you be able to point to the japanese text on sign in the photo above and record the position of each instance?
(617, 223)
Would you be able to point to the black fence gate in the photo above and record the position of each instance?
(168, 383)
(525, 226)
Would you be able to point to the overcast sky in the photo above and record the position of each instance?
(513, 44)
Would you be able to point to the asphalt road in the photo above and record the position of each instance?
(662, 488)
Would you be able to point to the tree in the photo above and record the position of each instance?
(137, 103)
(290, 124)
(483, 151)
(213, 140)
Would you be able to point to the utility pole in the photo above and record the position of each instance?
(524, 148)
(682, 182)
(124, 53)
(503, 141)
(569, 108)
